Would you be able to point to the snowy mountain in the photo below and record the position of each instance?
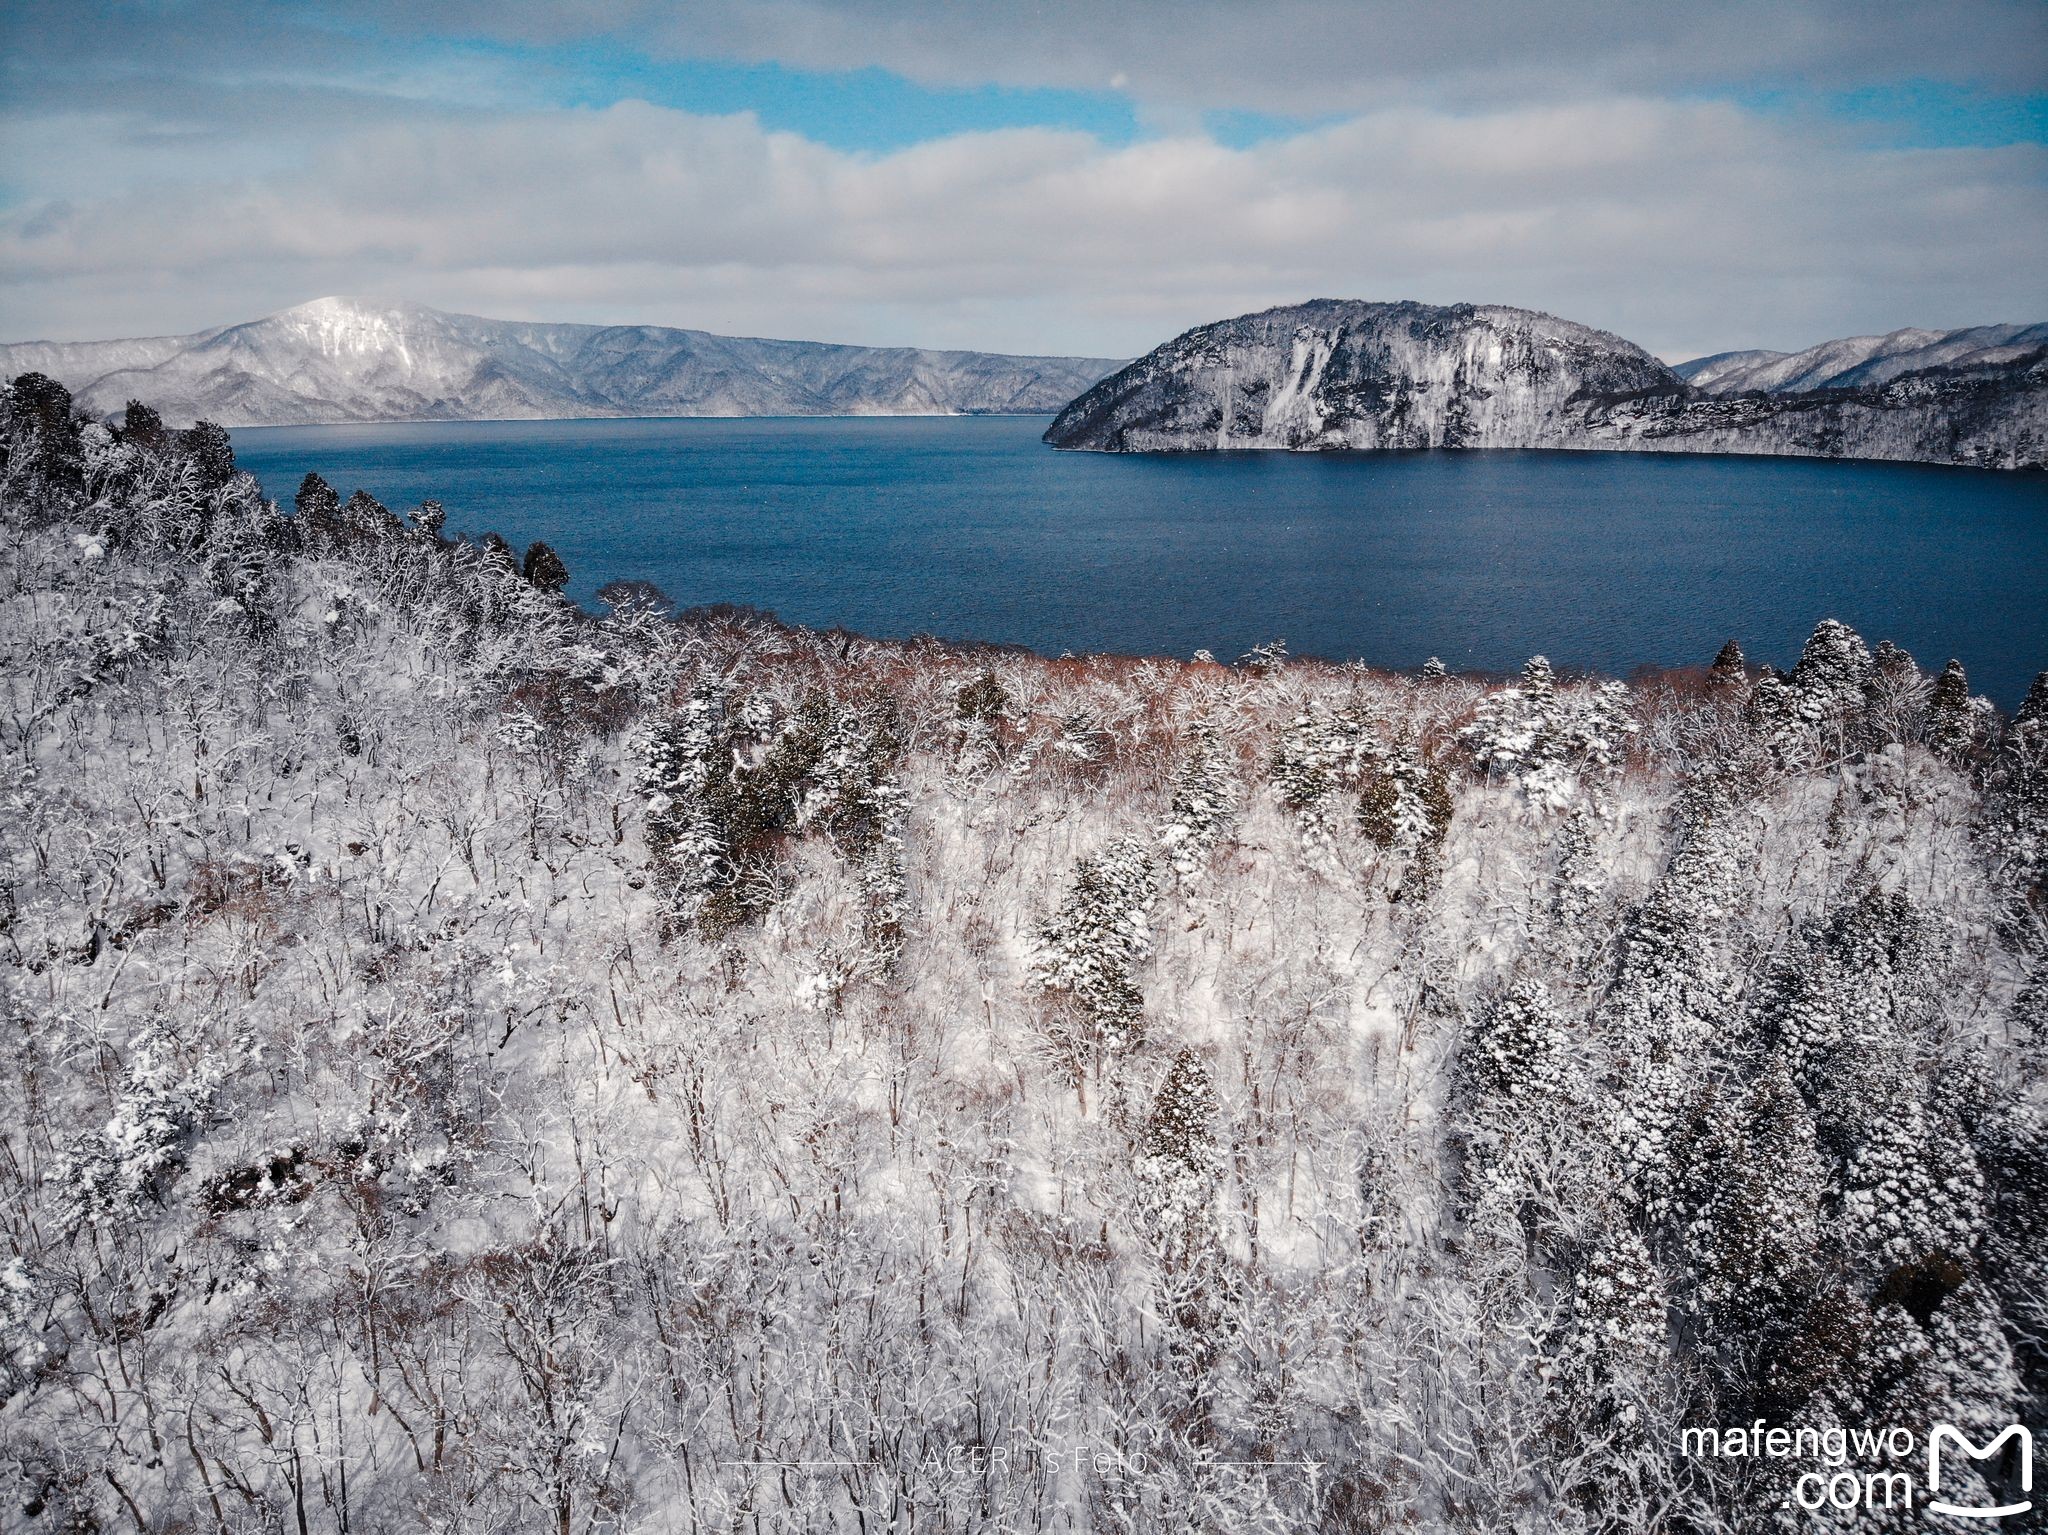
(1859, 361)
(1343, 374)
(1355, 375)
(1708, 372)
(343, 359)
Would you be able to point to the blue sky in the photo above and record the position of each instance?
(1913, 114)
(1057, 176)
(875, 109)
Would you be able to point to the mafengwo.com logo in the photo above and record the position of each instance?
(1948, 1434)
(1874, 1468)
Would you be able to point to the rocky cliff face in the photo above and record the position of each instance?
(1351, 375)
(1336, 374)
(354, 360)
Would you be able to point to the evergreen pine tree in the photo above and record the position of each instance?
(1730, 669)
(318, 509)
(684, 780)
(1605, 1358)
(1204, 797)
(1912, 1190)
(1265, 658)
(1511, 1075)
(2033, 710)
(1513, 1059)
(1759, 1183)
(1891, 662)
(1377, 807)
(1771, 710)
(2011, 1256)
(428, 518)
(207, 445)
(544, 569)
(983, 701)
(143, 427)
(1089, 946)
(1543, 740)
(43, 445)
(1575, 886)
(1178, 1164)
(365, 517)
(1950, 724)
(1828, 683)
(1322, 751)
(1178, 1169)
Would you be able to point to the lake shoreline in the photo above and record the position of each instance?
(968, 526)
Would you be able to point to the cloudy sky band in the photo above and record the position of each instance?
(1018, 180)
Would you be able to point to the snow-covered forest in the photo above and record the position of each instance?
(477, 1065)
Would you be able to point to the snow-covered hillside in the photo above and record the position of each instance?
(481, 1066)
(341, 359)
(1348, 375)
(1860, 361)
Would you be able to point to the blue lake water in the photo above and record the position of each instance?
(970, 528)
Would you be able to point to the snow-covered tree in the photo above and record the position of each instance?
(685, 757)
(1514, 1056)
(1512, 1077)
(1912, 1188)
(1833, 670)
(1758, 1185)
(107, 1173)
(1950, 721)
(1088, 948)
(1604, 1360)
(319, 509)
(1179, 1164)
(1545, 739)
(1321, 753)
(1178, 1169)
(429, 518)
(2033, 710)
(1204, 799)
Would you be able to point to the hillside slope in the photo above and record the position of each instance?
(339, 359)
(482, 1066)
(1861, 361)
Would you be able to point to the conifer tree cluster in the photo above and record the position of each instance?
(1088, 948)
(726, 787)
(1406, 808)
(1545, 741)
(1204, 799)
(1322, 753)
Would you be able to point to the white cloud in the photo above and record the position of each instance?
(1319, 56)
(1687, 226)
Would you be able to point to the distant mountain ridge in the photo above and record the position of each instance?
(1857, 362)
(344, 359)
(1352, 374)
